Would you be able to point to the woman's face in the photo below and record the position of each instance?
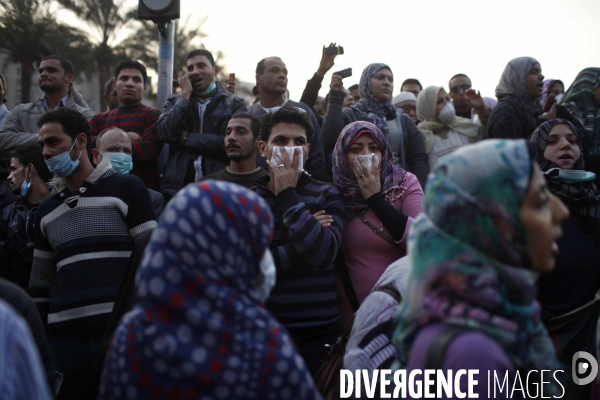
(535, 81)
(557, 88)
(562, 146)
(365, 144)
(382, 84)
(442, 100)
(542, 215)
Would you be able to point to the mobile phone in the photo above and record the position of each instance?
(333, 50)
(344, 73)
(232, 76)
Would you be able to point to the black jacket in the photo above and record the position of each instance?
(16, 231)
(207, 140)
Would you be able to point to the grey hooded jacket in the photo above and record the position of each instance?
(20, 126)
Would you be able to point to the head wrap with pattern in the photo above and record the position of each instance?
(343, 175)
(373, 110)
(198, 328)
(469, 255)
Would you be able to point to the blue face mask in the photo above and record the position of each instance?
(121, 162)
(62, 165)
(25, 187)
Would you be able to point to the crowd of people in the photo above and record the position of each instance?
(213, 249)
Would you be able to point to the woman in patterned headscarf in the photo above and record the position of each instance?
(518, 111)
(380, 202)
(375, 106)
(581, 106)
(489, 225)
(199, 328)
(569, 294)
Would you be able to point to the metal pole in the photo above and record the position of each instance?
(166, 40)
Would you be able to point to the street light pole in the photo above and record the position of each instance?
(166, 40)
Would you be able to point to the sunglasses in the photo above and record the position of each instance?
(456, 89)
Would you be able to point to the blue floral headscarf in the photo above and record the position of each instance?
(198, 329)
(469, 255)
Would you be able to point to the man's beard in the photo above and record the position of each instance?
(241, 156)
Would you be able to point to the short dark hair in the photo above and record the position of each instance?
(202, 52)
(4, 86)
(131, 64)
(64, 63)
(411, 81)
(72, 121)
(260, 67)
(287, 114)
(353, 87)
(108, 86)
(458, 76)
(254, 122)
(32, 154)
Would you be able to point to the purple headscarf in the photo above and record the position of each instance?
(343, 176)
(548, 83)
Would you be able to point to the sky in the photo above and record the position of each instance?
(430, 40)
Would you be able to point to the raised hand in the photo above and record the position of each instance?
(326, 62)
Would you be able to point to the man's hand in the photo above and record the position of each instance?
(134, 137)
(230, 84)
(284, 174)
(324, 219)
(369, 182)
(326, 62)
(185, 84)
(336, 83)
(183, 135)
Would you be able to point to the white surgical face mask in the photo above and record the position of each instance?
(267, 268)
(447, 114)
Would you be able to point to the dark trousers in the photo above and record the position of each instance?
(75, 359)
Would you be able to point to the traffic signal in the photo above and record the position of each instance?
(158, 10)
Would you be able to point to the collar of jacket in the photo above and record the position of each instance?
(59, 183)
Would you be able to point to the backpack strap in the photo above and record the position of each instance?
(438, 347)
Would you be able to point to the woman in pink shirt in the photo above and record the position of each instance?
(381, 201)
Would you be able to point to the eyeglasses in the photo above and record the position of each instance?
(456, 89)
(275, 109)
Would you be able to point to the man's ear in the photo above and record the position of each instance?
(30, 170)
(262, 147)
(258, 77)
(308, 152)
(217, 69)
(81, 141)
(96, 156)
(145, 87)
(69, 77)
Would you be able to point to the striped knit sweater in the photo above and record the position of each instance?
(139, 119)
(304, 296)
(83, 243)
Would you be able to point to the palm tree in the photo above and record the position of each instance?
(107, 18)
(143, 44)
(29, 31)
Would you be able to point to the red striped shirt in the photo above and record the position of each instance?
(139, 119)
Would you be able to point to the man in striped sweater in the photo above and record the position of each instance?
(304, 298)
(136, 119)
(85, 232)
